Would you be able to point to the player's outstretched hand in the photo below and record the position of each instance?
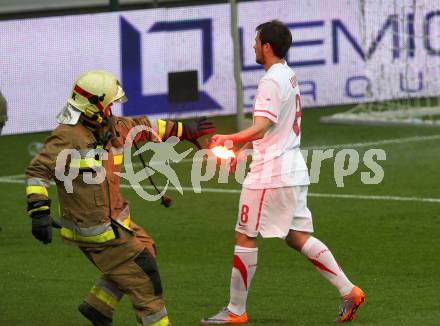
(218, 140)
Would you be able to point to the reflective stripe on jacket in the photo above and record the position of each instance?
(88, 212)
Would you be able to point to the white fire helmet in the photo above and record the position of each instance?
(93, 94)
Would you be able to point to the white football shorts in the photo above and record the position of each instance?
(273, 212)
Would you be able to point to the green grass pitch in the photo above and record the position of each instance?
(388, 247)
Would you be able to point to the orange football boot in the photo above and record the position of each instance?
(350, 304)
(225, 317)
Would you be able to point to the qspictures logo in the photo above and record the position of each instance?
(205, 166)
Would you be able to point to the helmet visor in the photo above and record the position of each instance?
(120, 96)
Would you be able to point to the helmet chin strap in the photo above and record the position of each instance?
(93, 120)
(95, 116)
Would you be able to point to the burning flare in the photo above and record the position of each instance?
(222, 152)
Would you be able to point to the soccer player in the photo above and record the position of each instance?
(273, 202)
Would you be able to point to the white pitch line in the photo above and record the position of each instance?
(373, 197)
(379, 142)
(15, 176)
(9, 180)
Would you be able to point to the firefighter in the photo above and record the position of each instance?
(95, 217)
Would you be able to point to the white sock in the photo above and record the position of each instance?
(245, 264)
(325, 263)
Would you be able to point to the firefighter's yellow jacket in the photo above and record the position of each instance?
(92, 213)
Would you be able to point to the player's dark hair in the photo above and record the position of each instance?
(277, 35)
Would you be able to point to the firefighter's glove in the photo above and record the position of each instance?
(39, 211)
(42, 228)
(197, 128)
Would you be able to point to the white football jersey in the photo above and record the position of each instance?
(277, 160)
